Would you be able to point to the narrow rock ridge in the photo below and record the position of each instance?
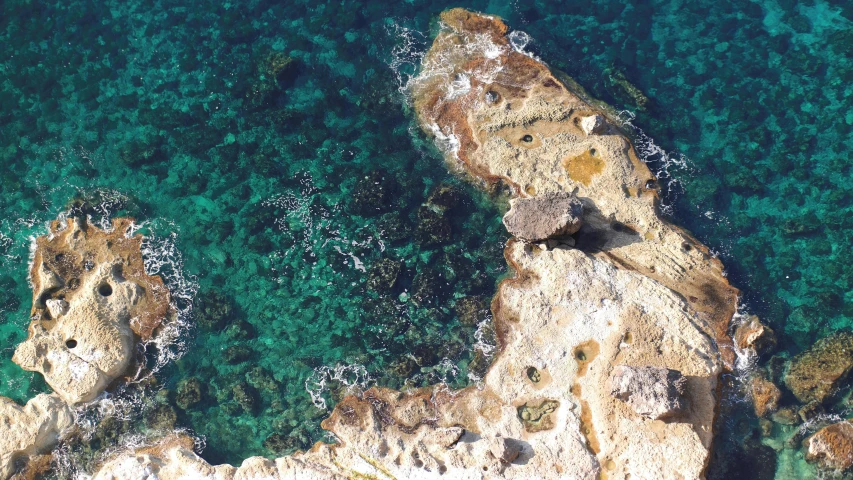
(92, 302)
(635, 292)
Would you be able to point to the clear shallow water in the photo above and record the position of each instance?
(186, 116)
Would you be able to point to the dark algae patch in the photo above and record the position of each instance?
(314, 241)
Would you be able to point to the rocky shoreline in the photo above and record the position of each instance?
(612, 334)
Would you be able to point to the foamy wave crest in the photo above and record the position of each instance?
(162, 257)
(353, 378)
(667, 167)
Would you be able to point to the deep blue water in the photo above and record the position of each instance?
(270, 152)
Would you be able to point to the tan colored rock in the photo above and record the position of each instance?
(505, 116)
(636, 292)
(815, 374)
(754, 335)
(544, 216)
(832, 446)
(92, 300)
(594, 125)
(653, 392)
(30, 430)
(765, 395)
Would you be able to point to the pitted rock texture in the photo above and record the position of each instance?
(815, 374)
(637, 292)
(544, 216)
(832, 446)
(30, 430)
(92, 301)
(654, 393)
(505, 116)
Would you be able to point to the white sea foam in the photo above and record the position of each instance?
(355, 378)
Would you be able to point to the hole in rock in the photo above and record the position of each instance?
(59, 257)
(651, 184)
(534, 375)
(527, 138)
(686, 246)
(71, 343)
(492, 97)
(105, 290)
(592, 151)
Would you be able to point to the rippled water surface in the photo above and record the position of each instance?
(267, 149)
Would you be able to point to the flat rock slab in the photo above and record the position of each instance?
(652, 392)
(544, 216)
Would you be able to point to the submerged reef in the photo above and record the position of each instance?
(621, 288)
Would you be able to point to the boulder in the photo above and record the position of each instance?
(815, 374)
(594, 125)
(92, 301)
(832, 446)
(753, 335)
(544, 216)
(383, 275)
(655, 393)
(765, 395)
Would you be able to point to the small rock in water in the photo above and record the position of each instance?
(815, 374)
(752, 334)
(832, 446)
(653, 392)
(594, 125)
(544, 216)
(765, 395)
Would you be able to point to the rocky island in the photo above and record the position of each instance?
(613, 330)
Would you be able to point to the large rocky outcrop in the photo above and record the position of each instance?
(92, 300)
(636, 292)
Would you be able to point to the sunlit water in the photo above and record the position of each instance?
(270, 190)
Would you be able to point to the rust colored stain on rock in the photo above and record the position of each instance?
(584, 167)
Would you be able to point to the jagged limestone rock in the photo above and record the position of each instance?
(30, 430)
(92, 301)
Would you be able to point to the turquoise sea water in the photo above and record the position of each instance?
(269, 152)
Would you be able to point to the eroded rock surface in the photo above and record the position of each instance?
(92, 300)
(832, 446)
(636, 292)
(543, 217)
(654, 393)
(30, 430)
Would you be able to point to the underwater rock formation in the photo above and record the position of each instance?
(92, 301)
(636, 292)
(815, 374)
